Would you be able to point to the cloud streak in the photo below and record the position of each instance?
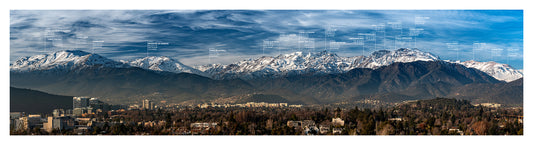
(190, 33)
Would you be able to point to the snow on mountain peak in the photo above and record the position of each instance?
(162, 63)
(408, 55)
(323, 62)
(66, 59)
(385, 57)
(502, 72)
(319, 63)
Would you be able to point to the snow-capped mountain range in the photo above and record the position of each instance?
(502, 72)
(64, 60)
(317, 63)
(162, 63)
(282, 65)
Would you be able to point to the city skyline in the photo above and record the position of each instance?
(266, 72)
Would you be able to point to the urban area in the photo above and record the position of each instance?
(90, 116)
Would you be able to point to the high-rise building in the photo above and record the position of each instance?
(94, 101)
(28, 122)
(78, 111)
(148, 105)
(14, 115)
(58, 112)
(80, 102)
(81, 111)
(97, 104)
(59, 123)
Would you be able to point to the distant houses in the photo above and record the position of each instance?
(309, 127)
(396, 119)
(337, 122)
(324, 129)
(248, 104)
(202, 127)
(455, 129)
(489, 105)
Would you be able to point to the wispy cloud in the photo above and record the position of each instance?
(190, 33)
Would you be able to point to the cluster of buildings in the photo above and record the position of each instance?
(63, 119)
(202, 127)
(55, 123)
(248, 104)
(155, 123)
(87, 105)
(456, 130)
(489, 105)
(21, 121)
(396, 119)
(197, 128)
(146, 105)
(369, 101)
(309, 127)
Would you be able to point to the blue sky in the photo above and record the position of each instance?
(225, 36)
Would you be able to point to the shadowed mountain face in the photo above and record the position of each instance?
(419, 79)
(31, 101)
(505, 93)
(395, 82)
(123, 85)
(390, 76)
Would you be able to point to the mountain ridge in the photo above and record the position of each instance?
(502, 72)
(318, 63)
(63, 60)
(162, 63)
(395, 82)
(296, 63)
(33, 101)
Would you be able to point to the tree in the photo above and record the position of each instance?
(480, 111)
(380, 116)
(480, 127)
(337, 112)
(386, 129)
(293, 117)
(36, 130)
